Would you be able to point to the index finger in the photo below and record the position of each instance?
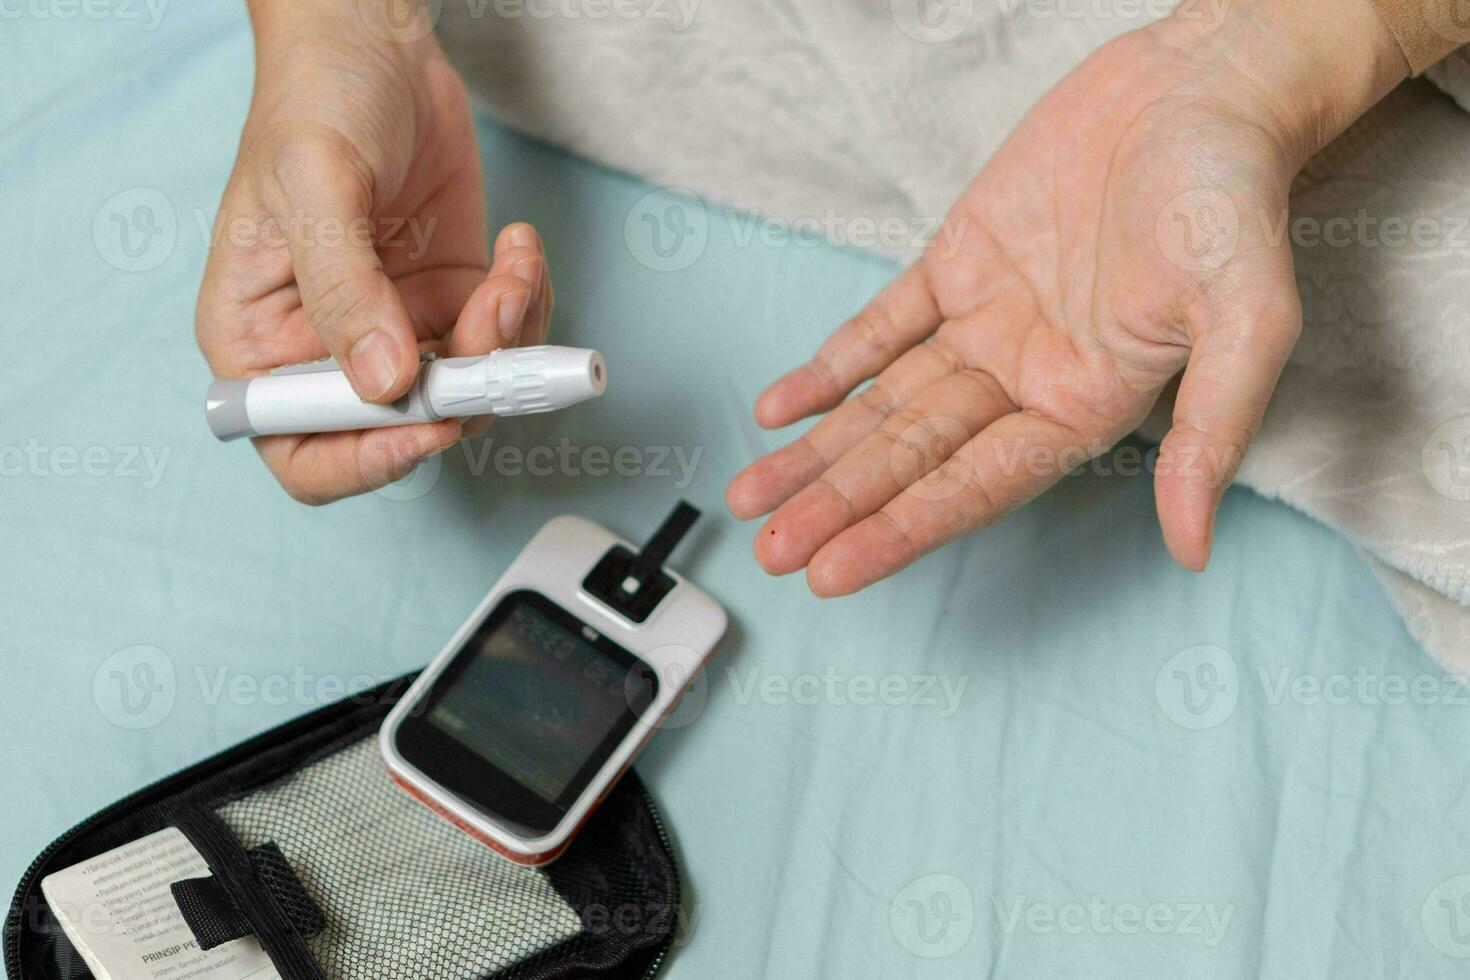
(327, 466)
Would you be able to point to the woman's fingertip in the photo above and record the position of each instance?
(824, 581)
(767, 415)
(1188, 555)
(522, 235)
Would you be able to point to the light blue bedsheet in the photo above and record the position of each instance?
(1043, 752)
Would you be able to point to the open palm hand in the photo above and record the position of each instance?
(1124, 233)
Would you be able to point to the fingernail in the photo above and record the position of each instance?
(512, 312)
(375, 364)
(522, 235)
(528, 271)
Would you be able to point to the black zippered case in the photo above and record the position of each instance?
(341, 876)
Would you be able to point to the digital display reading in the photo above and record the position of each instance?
(537, 698)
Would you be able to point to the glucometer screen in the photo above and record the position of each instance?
(534, 700)
(528, 711)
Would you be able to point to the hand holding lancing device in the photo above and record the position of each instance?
(355, 134)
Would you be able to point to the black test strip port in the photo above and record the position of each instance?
(618, 581)
(634, 584)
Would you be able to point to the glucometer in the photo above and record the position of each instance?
(541, 700)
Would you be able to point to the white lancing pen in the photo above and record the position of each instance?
(317, 397)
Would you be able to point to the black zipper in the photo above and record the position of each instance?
(657, 963)
(17, 914)
(164, 787)
(169, 786)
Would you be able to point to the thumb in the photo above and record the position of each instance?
(1222, 399)
(324, 201)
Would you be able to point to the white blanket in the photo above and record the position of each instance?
(846, 111)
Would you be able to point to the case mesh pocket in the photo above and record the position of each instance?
(403, 893)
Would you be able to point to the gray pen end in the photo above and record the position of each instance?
(224, 407)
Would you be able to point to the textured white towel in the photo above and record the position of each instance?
(884, 109)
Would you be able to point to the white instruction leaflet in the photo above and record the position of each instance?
(120, 915)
